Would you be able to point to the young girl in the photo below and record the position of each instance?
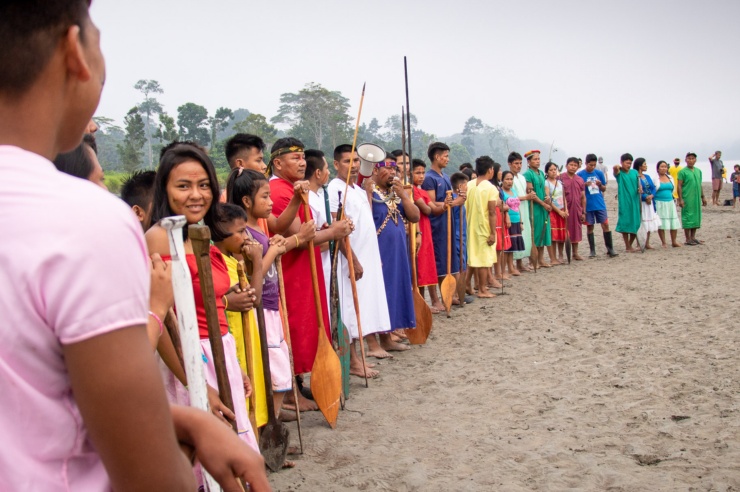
(229, 237)
(186, 184)
(554, 190)
(251, 190)
(650, 219)
(514, 221)
(503, 241)
(426, 270)
(665, 206)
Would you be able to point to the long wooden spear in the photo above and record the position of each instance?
(347, 243)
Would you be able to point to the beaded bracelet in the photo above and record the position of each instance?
(159, 322)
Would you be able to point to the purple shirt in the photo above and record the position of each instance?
(270, 289)
(73, 266)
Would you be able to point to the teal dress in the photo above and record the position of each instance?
(542, 233)
(629, 202)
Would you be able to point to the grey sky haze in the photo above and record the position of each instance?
(594, 76)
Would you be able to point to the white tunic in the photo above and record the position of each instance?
(318, 207)
(364, 241)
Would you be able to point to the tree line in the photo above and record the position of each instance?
(319, 117)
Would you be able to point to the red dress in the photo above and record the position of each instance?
(426, 266)
(221, 285)
(501, 238)
(299, 298)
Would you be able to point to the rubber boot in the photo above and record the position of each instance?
(609, 247)
(592, 245)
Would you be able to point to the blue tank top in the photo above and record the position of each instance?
(664, 193)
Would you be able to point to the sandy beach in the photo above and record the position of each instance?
(609, 374)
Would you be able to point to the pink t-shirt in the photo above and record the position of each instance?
(73, 265)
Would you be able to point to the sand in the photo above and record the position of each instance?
(610, 374)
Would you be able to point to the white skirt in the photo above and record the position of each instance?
(650, 219)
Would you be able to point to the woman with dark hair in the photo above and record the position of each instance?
(650, 219)
(665, 206)
(82, 162)
(554, 190)
(186, 185)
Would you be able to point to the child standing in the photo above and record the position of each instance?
(514, 221)
(426, 269)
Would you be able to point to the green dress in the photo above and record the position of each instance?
(629, 202)
(540, 214)
(691, 191)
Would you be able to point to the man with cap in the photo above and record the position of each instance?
(691, 199)
(540, 203)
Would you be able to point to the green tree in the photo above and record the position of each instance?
(458, 155)
(149, 107)
(256, 124)
(193, 120)
(133, 142)
(317, 116)
(472, 127)
(167, 131)
(218, 122)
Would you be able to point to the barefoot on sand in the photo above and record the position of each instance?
(577, 258)
(390, 346)
(304, 403)
(486, 295)
(357, 371)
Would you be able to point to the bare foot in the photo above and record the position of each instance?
(676, 245)
(304, 403)
(379, 354)
(664, 245)
(495, 285)
(516, 273)
(394, 346)
(555, 262)
(649, 247)
(577, 258)
(399, 335)
(528, 268)
(486, 295)
(434, 310)
(357, 371)
(438, 306)
(287, 416)
(545, 265)
(288, 464)
(633, 250)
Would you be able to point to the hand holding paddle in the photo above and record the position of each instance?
(449, 285)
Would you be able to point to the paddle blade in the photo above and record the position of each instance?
(642, 235)
(274, 440)
(326, 381)
(418, 335)
(448, 291)
(568, 248)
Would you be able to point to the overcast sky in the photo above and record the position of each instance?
(650, 77)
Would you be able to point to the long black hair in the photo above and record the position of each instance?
(172, 156)
(243, 183)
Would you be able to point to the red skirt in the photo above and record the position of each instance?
(501, 239)
(557, 226)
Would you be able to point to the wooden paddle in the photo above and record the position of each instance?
(533, 254)
(418, 335)
(244, 285)
(326, 376)
(461, 274)
(335, 311)
(200, 237)
(286, 333)
(449, 285)
(275, 437)
(182, 286)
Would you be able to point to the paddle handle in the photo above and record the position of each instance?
(248, 350)
(200, 236)
(412, 236)
(265, 351)
(314, 273)
(353, 283)
(286, 333)
(449, 235)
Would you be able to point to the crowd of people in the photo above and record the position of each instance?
(93, 300)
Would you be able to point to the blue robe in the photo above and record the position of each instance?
(396, 266)
(439, 184)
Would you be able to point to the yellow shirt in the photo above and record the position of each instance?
(235, 328)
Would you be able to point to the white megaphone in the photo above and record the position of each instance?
(369, 154)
